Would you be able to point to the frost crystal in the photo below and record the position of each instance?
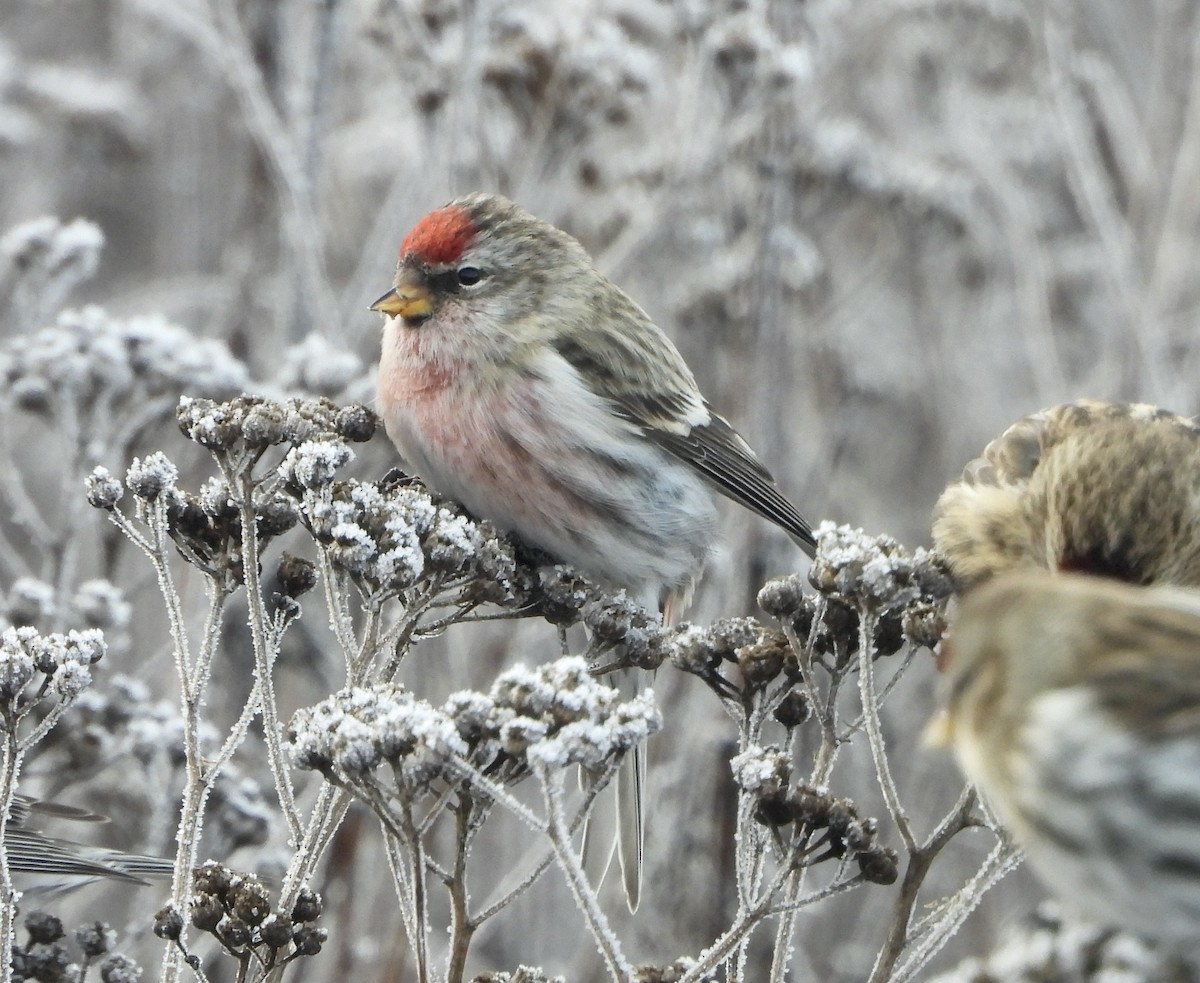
(764, 771)
(151, 477)
(314, 463)
(874, 570)
(357, 729)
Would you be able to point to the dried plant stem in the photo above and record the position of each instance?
(341, 622)
(1002, 859)
(324, 819)
(719, 951)
(462, 926)
(10, 767)
(781, 953)
(190, 687)
(594, 789)
(870, 709)
(265, 651)
(920, 859)
(585, 897)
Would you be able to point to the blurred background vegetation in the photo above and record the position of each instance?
(879, 231)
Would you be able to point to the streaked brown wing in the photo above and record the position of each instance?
(661, 399)
(1150, 676)
(718, 452)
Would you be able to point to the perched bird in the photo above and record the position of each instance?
(1109, 489)
(43, 866)
(1073, 704)
(518, 380)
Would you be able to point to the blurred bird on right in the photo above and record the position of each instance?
(1109, 489)
(1073, 704)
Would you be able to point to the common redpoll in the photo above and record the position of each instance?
(1102, 488)
(518, 380)
(1073, 704)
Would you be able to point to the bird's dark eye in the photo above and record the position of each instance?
(468, 276)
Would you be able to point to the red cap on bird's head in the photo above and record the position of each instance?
(440, 237)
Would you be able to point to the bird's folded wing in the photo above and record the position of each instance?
(664, 402)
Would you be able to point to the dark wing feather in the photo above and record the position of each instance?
(719, 453)
(661, 398)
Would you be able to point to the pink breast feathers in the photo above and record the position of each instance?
(409, 373)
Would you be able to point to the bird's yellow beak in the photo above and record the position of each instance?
(405, 300)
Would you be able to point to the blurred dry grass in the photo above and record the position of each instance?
(878, 229)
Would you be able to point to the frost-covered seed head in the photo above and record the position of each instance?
(564, 593)
(95, 938)
(215, 499)
(357, 729)
(104, 491)
(102, 604)
(263, 425)
(314, 463)
(119, 968)
(308, 940)
(925, 624)
(880, 865)
(872, 571)
(794, 709)
(762, 661)
(168, 923)
(307, 907)
(783, 597)
(763, 771)
(275, 516)
(356, 423)
(26, 244)
(233, 933)
(701, 650)
(71, 679)
(30, 602)
(250, 901)
(44, 928)
(16, 664)
(297, 576)
(150, 478)
(275, 932)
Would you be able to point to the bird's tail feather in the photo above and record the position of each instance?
(631, 785)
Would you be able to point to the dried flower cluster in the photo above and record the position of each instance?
(235, 909)
(252, 423)
(89, 362)
(388, 536)
(59, 664)
(46, 955)
(818, 819)
(555, 715)
(1050, 948)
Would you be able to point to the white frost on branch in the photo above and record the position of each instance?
(764, 771)
(314, 463)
